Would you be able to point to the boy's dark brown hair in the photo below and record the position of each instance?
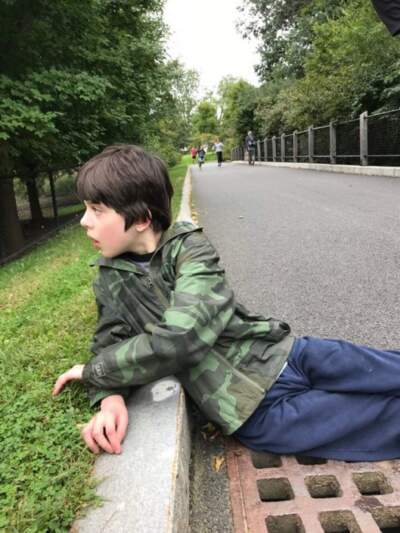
(131, 181)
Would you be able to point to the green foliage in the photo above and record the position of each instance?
(47, 315)
(79, 75)
(205, 118)
(285, 31)
(321, 61)
(238, 101)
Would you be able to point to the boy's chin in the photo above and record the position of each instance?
(109, 254)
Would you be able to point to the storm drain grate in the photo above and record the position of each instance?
(296, 494)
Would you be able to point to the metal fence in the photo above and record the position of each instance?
(42, 207)
(367, 140)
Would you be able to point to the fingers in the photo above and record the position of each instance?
(100, 433)
(74, 373)
(113, 439)
(86, 434)
(60, 383)
(122, 425)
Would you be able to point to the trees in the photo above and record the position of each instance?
(238, 101)
(76, 75)
(321, 61)
(285, 30)
(205, 121)
(171, 124)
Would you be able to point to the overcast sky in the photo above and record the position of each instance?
(204, 37)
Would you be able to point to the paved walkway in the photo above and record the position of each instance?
(319, 250)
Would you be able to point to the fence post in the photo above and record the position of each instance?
(258, 151)
(311, 144)
(364, 138)
(295, 147)
(266, 149)
(273, 148)
(283, 148)
(332, 142)
(53, 196)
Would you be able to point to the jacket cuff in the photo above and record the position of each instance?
(93, 370)
(97, 395)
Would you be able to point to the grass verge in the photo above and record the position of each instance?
(47, 316)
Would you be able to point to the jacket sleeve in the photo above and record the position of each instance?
(109, 330)
(201, 306)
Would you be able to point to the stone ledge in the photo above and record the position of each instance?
(185, 211)
(146, 488)
(393, 172)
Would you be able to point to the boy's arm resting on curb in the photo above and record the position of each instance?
(200, 308)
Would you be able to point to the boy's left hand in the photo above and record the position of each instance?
(73, 374)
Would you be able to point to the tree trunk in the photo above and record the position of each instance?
(11, 237)
(34, 204)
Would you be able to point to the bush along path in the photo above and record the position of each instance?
(47, 316)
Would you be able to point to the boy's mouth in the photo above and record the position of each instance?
(95, 243)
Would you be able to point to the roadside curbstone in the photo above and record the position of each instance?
(146, 488)
(393, 172)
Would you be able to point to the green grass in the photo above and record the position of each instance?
(47, 316)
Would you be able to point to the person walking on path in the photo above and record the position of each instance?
(193, 153)
(201, 156)
(219, 147)
(165, 307)
(250, 145)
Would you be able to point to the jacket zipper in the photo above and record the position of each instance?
(161, 296)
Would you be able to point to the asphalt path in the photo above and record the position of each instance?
(317, 249)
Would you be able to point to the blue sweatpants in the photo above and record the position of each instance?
(335, 400)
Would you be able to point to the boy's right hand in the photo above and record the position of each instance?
(107, 429)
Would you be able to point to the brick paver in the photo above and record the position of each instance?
(294, 494)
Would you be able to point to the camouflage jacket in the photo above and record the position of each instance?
(181, 318)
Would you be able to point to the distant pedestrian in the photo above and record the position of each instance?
(219, 146)
(193, 153)
(250, 145)
(201, 156)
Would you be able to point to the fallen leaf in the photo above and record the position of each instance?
(217, 462)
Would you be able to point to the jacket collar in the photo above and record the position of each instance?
(177, 229)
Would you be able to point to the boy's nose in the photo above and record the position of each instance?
(84, 222)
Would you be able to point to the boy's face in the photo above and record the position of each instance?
(106, 229)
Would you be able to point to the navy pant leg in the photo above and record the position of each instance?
(341, 366)
(334, 400)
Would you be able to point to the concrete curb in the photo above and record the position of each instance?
(393, 172)
(185, 212)
(146, 488)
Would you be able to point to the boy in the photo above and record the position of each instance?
(165, 308)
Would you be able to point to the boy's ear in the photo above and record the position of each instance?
(142, 225)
